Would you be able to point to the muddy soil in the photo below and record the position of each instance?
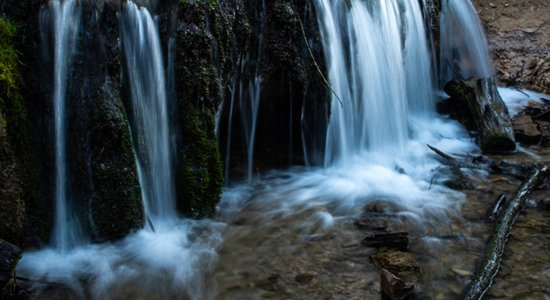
(519, 40)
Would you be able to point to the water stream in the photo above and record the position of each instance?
(464, 51)
(63, 16)
(290, 233)
(380, 68)
(140, 44)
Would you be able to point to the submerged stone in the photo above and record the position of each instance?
(396, 261)
(394, 287)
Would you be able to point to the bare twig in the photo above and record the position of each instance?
(325, 81)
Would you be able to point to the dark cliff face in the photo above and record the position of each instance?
(103, 182)
(294, 106)
(209, 47)
(20, 191)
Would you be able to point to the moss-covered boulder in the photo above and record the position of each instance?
(116, 206)
(104, 180)
(198, 54)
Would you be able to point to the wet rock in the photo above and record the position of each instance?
(55, 291)
(398, 240)
(381, 206)
(116, 204)
(396, 261)
(525, 130)
(489, 112)
(9, 256)
(371, 222)
(304, 278)
(394, 287)
(459, 182)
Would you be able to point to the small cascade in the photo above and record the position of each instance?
(250, 103)
(63, 17)
(247, 93)
(379, 66)
(464, 49)
(143, 60)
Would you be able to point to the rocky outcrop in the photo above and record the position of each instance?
(104, 184)
(488, 112)
(210, 47)
(196, 35)
(9, 256)
(13, 139)
(115, 205)
(294, 100)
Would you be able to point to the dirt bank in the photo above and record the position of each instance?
(519, 40)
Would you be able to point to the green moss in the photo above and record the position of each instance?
(8, 57)
(117, 207)
(200, 168)
(18, 129)
(497, 143)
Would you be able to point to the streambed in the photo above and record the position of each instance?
(277, 257)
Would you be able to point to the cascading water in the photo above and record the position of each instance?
(249, 106)
(140, 43)
(172, 261)
(64, 17)
(379, 67)
(464, 50)
(248, 95)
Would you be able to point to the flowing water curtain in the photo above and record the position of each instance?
(60, 21)
(245, 98)
(464, 49)
(379, 64)
(143, 60)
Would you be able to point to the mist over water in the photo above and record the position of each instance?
(171, 263)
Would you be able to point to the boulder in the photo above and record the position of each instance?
(525, 130)
(9, 256)
(394, 287)
(489, 112)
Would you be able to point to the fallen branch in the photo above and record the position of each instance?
(497, 242)
(441, 153)
(150, 223)
(325, 81)
(495, 209)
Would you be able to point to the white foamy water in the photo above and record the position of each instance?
(517, 99)
(411, 181)
(171, 263)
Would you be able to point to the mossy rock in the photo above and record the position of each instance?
(199, 170)
(202, 44)
(116, 205)
(12, 114)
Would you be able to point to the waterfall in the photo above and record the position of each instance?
(140, 44)
(464, 49)
(379, 67)
(250, 104)
(63, 16)
(247, 91)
